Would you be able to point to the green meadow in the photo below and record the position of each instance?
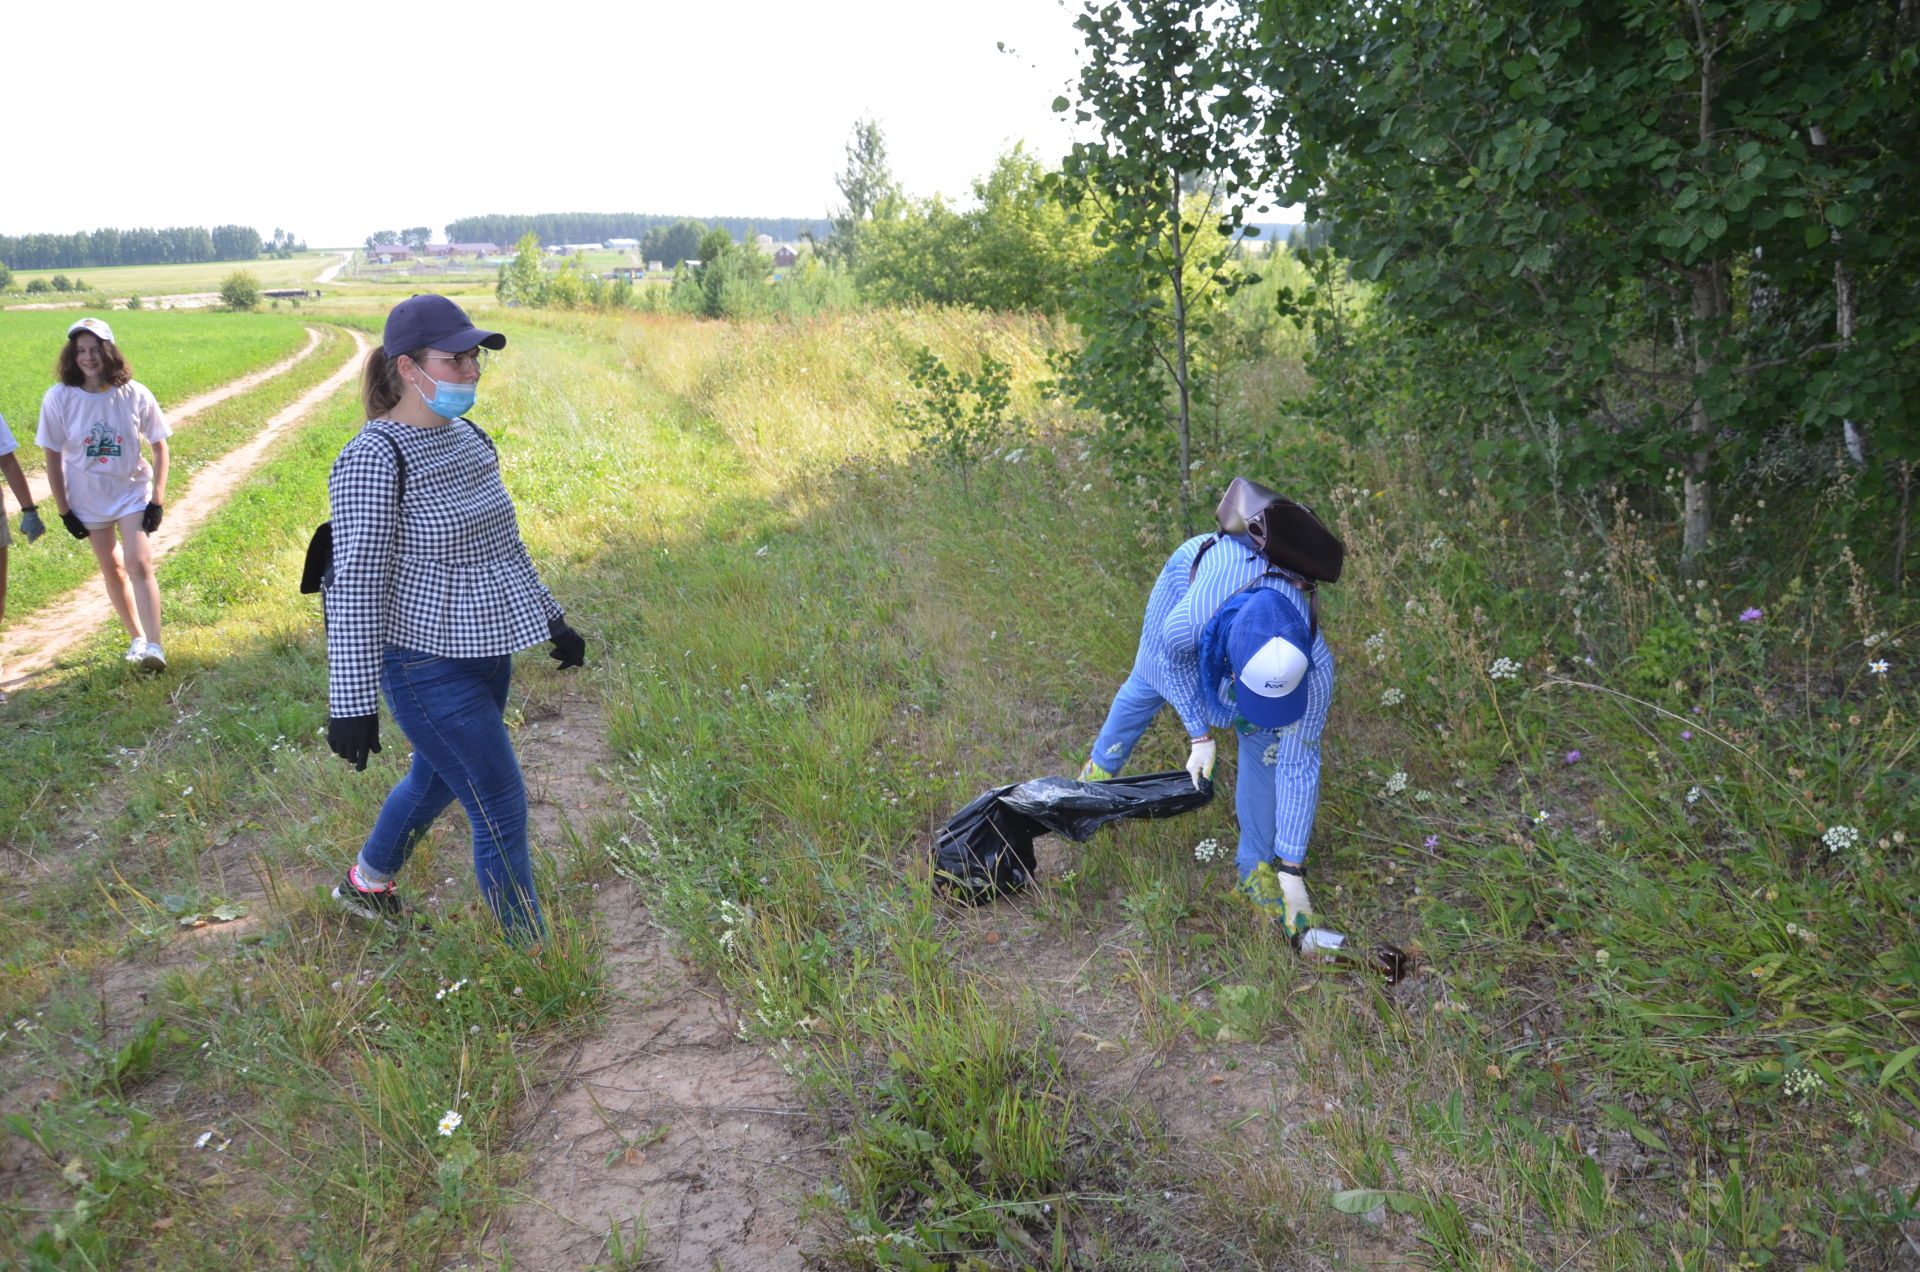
(1642, 828)
(120, 281)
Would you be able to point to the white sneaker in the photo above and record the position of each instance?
(136, 650)
(150, 656)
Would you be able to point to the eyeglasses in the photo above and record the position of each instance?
(473, 362)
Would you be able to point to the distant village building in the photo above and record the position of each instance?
(784, 255)
(388, 253)
(463, 249)
(572, 249)
(763, 241)
(623, 244)
(654, 267)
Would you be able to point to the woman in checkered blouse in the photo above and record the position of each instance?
(430, 593)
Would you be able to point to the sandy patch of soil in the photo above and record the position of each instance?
(664, 1114)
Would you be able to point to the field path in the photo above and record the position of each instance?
(332, 271)
(233, 388)
(34, 644)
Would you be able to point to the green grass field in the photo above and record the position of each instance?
(175, 354)
(1652, 856)
(120, 281)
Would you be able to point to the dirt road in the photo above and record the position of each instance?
(33, 645)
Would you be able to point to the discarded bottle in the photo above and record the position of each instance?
(1390, 962)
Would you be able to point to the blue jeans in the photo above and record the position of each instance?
(451, 711)
(1255, 787)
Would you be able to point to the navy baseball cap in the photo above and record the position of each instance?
(1271, 653)
(433, 322)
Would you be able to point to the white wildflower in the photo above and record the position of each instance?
(1206, 850)
(451, 1122)
(1392, 697)
(1838, 837)
(1503, 669)
(1802, 1083)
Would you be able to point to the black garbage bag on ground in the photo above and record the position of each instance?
(986, 851)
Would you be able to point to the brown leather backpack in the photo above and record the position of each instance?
(1295, 543)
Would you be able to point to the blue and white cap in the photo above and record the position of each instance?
(1270, 651)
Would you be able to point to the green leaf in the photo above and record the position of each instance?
(1816, 234)
(1358, 1201)
(1896, 1064)
(1060, 103)
(1840, 215)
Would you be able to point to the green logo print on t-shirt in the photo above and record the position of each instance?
(102, 442)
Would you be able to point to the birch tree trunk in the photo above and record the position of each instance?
(1710, 309)
(1182, 372)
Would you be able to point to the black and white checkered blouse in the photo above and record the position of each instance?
(447, 574)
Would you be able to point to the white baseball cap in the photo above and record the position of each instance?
(98, 326)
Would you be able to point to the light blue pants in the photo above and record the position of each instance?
(1255, 787)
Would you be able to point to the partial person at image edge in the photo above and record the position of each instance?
(31, 527)
(430, 593)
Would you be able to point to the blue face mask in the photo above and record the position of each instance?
(449, 401)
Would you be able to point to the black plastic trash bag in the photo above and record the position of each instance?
(986, 851)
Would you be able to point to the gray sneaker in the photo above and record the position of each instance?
(150, 656)
(376, 905)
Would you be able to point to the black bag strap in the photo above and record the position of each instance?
(399, 465)
(319, 559)
(1305, 584)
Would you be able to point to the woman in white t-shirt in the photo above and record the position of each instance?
(92, 423)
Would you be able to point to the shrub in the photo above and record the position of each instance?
(240, 292)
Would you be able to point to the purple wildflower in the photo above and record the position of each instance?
(1433, 841)
(1573, 757)
(1751, 614)
(1686, 735)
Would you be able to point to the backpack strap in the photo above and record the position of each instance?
(1301, 581)
(1204, 549)
(483, 436)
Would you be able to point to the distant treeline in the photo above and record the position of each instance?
(176, 245)
(598, 227)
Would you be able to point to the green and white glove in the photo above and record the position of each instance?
(1200, 760)
(1297, 914)
(1281, 895)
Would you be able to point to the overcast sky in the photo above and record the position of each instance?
(334, 120)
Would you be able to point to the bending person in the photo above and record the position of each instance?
(1217, 605)
(429, 595)
(91, 424)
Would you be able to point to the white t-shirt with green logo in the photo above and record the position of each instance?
(98, 436)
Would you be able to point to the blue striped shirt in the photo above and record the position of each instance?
(1169, 660)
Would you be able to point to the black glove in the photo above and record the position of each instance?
(569, 647)
(353, 737)
(150, 519)
(75, 527)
